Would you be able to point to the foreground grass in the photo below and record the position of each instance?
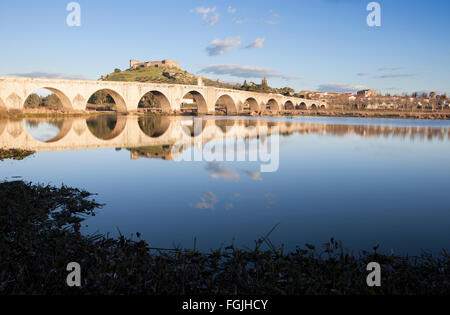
(40, 235)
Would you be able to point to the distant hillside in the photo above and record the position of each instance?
(177, 76)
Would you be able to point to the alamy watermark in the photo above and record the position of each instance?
(374, 278)
(74, 277)
(374, 17)
(74, 17)
(240, 144)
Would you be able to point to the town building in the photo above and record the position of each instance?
(367, 93)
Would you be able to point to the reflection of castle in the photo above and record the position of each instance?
(159, 64)
(154, 152)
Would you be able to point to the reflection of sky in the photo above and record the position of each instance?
(43, 132)
(362, 190)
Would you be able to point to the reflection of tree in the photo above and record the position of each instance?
(225, 124)
(102, 126)
(151, 125)
(34, 123)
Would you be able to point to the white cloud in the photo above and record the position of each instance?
(213, 19)
(49, 75)
(390, 69)
(231, 10)
(274, 18)
(203, 11)
(340, 88)
(255, 175)
(246, 72)
(394, 76)
(209, 15)
(219, 171)
(219, 47)
(258, 43)
(207, 201)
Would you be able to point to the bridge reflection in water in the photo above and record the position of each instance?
(153, 137)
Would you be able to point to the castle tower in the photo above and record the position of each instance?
(264, 82)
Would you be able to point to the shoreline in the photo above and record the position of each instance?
(50, 220)
(382, 114)
(443, 115)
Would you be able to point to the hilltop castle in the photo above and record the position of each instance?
(159, 64)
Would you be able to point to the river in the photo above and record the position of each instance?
(365, 182)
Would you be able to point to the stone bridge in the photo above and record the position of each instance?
(74, 95)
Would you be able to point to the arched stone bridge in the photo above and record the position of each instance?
(74, 95)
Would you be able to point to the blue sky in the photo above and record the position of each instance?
(306, 44)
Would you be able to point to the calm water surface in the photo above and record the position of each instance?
(365, 182)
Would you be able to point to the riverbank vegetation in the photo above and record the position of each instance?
(365, 113)
(50, 102)
(14, 154)
(40, 228)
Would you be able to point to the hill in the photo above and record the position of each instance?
(178, 76)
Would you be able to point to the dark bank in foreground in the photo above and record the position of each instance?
(40, 228)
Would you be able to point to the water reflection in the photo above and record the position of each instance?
(151, 131)
(106, 127)
(163, 152)
(154, 126)
(190, 128)
(362, 181)
(48, 130)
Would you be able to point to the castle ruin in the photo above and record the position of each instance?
(134, 64)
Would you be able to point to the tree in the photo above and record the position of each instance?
(101, 98)
(52, 101)
(33, 101)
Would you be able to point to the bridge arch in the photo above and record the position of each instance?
(225, 125)
(106, 127)
(154, 127)
(323, 106)
(155, 98)
(64, 126)
(302, 105)
(313, 106)
(65, 101)
(272, 104)
(194, 128)
(227, 103)
(289, 105)
(119, 101)
(62, 100)
(252, 103)
(199, 99)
